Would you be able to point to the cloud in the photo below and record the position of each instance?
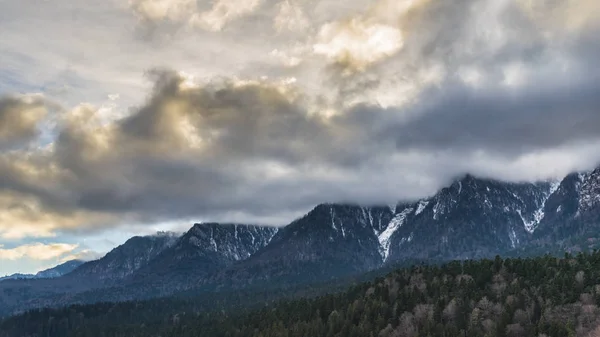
(355, 44)
(84, 255)
(198, 147)
(20, 118)
(159, 10)
(25, 216)
(33, 257)
(503, 121)
(250, 149)
(37, 251)
(189, 13)
(290, 17)
(280, 105)
(224, 11)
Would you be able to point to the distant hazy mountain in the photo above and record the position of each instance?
(57, 271)
(17, 276)
(118, 264)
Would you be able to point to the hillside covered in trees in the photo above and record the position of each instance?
(543, 296)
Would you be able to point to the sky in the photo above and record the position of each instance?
(122, 118)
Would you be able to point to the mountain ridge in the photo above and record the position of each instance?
(470, 218)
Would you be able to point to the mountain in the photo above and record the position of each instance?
(124, 260)
(60, 270)
(542, 296)
(146, 267)
(115, 266)
(472, 218)
(468, 219)
(330, 241)
(57, 271)
(205, 249)
(17, 276)
(572, 214)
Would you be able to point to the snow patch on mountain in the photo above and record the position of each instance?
(386, 235)
(422, 205)
(231, 241)
(332, 216)
(437, 209)
(538, 215)
(514, 239)
(213, 242)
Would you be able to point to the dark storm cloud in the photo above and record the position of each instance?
(510, 123)
(254, 149)
(198, 150)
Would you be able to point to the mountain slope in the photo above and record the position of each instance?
(202, 251)
(17, 276)
(205, 249)
(470, 219)
(124, 260)
(572, 213)
(118, 264)
(330, 241)
(543, 296)
(60, 270)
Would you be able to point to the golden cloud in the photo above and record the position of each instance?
(37, 251)
(187, 12)
(356, 44)
(20, 116)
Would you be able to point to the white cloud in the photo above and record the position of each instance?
(157, 10)
(358, 43)
(83, 255)
(188, 13)
(514, 74)
(290, 17)
(223, 12)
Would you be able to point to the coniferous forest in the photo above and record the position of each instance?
(544, 296)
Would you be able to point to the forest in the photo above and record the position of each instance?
(544, 296)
